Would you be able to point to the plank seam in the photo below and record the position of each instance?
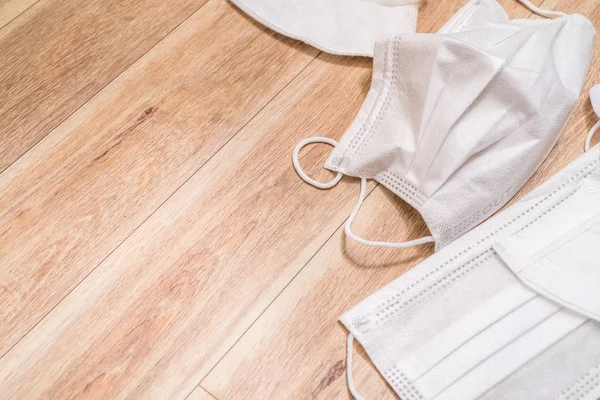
(18, 15)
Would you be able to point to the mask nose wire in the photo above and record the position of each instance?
(540, 11)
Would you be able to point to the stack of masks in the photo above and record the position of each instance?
(508, 311)
(455, 123)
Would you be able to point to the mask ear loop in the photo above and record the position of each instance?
(541, 11)
(300, 171)
(350, 379)
(588, 139)
(351, 235)
(361, 198)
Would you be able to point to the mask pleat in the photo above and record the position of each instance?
(577, 356)
(513, 356)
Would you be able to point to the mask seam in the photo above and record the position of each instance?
(402, 188)
(465, 18)
(402, 385)
(362, 142)
(445, 282)
(582, 386)
(373, 120)
(395, 298)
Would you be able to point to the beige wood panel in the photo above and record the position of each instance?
(77, 195)
(10, 9)
(155, 316)
(59, 53)
(200, 394)
(297, 348)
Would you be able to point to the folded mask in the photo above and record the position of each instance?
(557, 258)
(456, 122)
(507, 311)
(347, 27)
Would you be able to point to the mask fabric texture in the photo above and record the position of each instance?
(456, 122)
(463, 325)
(558, 258)
(345, 27)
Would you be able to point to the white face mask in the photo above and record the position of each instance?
(456, 122)
(504, 311)
(557, 256)
(345, 27)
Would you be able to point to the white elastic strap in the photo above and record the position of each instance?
(348, 227)
(361, 198)
(588, 139)
(351, 387)
(541, 11)
(300, 171)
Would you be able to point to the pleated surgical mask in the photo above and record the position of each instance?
(507, 311)
(456, 122)
(557, 257)
(344, 27)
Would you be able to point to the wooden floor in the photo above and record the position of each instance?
(155, 241)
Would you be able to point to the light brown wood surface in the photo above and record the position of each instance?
(10, 9)
(57, 54)
(71, 200)
(155, 241)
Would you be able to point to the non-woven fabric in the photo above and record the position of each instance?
(456, 122)
(558, 256)
(463, 325)
(345, 27)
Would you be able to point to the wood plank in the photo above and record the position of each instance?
(59, 53)
(200, 394)
(162, 309)
(77, 195)
(297, 348)
(10, 9)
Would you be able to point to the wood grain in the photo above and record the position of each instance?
(59, 53)
(10, 9)
(296, 349)
(171, 300)
(76, 196)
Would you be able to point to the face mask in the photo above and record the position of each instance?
(456, 122)
(507, 311)
(557, 258)
(345, 27)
